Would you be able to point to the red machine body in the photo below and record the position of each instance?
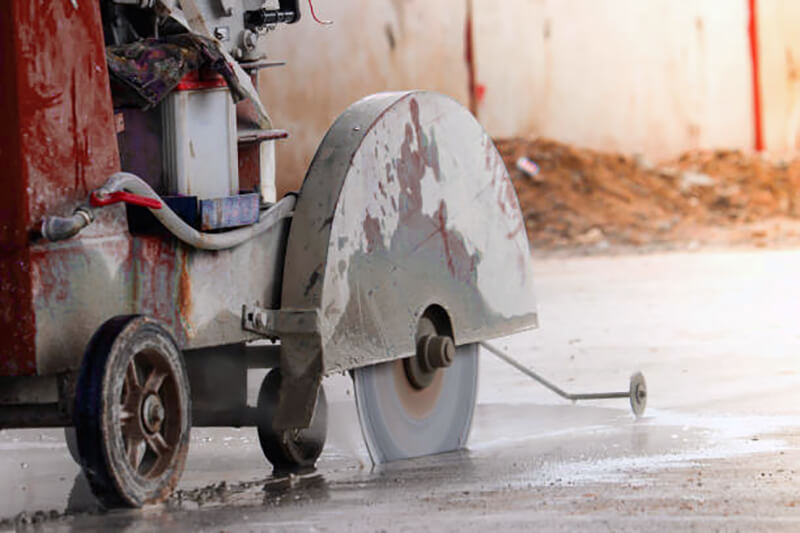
(57, 143)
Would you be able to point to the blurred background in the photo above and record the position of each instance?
(648, 123)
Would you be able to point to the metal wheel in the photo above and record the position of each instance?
(289, 450)
(132, 412)
(638, 394)
(403, 418)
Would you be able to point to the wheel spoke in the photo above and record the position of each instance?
(135, 452)
(157, 443)
(155, 380)
(129, 425)
(132, 377)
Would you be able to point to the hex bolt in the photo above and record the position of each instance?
(436, 351)
(153, 413)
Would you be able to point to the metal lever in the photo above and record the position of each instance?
(637, 392)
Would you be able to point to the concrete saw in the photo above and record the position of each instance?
(402, 418)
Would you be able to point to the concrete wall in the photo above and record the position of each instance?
(779, 41)
(656, 77)
(372, 46)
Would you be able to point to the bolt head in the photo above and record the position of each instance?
(153, 413)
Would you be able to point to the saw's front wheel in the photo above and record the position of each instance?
(400, 420)
(289, 450)
(132, 412)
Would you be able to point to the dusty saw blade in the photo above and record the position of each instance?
(400, 422)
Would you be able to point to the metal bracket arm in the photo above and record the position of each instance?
(637, 392)
(278, 322)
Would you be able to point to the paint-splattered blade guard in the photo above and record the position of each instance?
(406, 207)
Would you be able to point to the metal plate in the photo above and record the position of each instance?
(407, 204)
(400, 422)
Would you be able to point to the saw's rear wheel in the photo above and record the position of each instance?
(289, 450)
(401, 421)
(132, 412)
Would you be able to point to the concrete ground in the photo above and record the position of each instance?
(717, 334)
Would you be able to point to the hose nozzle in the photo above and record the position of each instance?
(56, 228)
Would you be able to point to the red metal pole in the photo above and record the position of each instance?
(753, 33)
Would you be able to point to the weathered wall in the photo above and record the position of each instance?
(655, 77)
(779, 41)
(373, 46)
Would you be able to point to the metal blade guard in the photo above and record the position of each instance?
(407, 205)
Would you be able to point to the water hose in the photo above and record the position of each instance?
(59, 228)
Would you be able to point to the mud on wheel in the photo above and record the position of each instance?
(289, 450)
(132, 412)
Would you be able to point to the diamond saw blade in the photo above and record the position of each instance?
(400, 422)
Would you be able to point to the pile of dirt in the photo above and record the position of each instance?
(582, 197)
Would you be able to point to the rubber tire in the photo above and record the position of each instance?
(113, 482)
(288, 453)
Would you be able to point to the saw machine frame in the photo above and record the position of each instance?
(133, 332)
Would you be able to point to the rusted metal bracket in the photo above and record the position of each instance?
(277, 322)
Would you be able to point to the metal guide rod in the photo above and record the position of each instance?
(564, 394)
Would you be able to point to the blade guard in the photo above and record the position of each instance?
(406, 205)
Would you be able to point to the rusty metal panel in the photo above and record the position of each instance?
(80, 283)
(77, 285)
(69, 142)
(57, 142)
(17, 326)
(217, 284)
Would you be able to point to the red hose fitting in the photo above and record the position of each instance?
(123, 196)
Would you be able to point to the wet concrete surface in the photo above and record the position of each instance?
(717, 334)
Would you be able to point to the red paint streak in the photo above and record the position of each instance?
(442, 219)
(469, 57)
(57, 141)
(185, 302)
(372, 231)
(513, 233)
(17, 324)
(66, 124)
(249, 167)
(428, 150)
(480, 92)
(756, 70)
(17, 319)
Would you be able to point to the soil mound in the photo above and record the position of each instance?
(589, 198)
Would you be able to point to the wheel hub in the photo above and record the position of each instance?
(400, 421)
(433, 352)
(153, 413)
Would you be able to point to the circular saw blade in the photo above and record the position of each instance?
(400, 422)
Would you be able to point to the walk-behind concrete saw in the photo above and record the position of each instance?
(144, 256)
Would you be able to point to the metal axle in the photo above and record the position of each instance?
(637, 393)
